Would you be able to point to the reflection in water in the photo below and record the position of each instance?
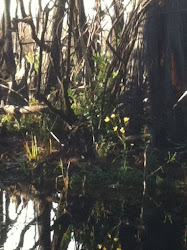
(21, 225)
(21, 220)
(73, 244)
(96, 215)
(106, 226)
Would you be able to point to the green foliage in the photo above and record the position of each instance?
(12, 124)
(32, 151)
(113, 137)
(33, 58)
(27, 167)
(171, 158)
(86, 102)
(78, 101)
(36, 124)
(102, 64)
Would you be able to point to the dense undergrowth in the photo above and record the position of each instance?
(93, 147)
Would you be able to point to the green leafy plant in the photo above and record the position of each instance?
(32, 151)
(115, 133)
(33, 58)
(87, 100)
(171, 158)
(35, 151)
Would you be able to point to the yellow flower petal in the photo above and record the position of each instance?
(99, 246)
(115, 239)
(122, 130)
(118, 248)
(115, 128)
(126, 119)
(104, 248)
(113, 116)
(107, 119)
(132, 144)
(109, 236)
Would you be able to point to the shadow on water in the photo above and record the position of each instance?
(93, 205)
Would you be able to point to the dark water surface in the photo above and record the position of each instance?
(86, 206)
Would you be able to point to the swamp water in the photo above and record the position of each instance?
(89, 206)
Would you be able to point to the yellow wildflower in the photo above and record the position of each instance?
(132, 144)
(104, 248)
(115, 128)
(99, 246)
(118, 248)
(115, 239)
(113, 116)
(109, 236)
(107, 119)
(122, 130)
(126, 119)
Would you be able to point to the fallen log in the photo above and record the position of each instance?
(14, 110)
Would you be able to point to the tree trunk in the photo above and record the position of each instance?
(9, 66)
(166, 53)
(8, 51)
